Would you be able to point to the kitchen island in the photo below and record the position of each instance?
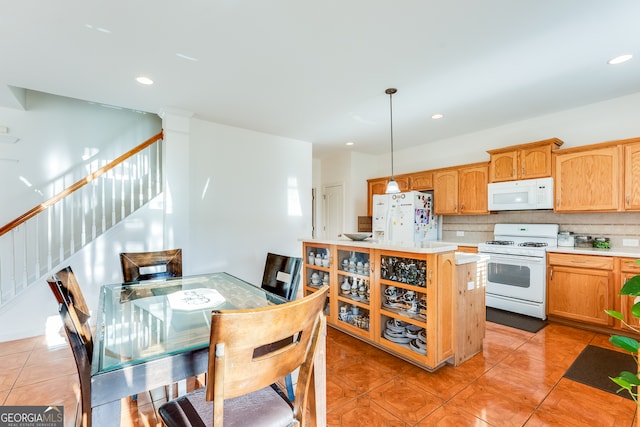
(401, 299)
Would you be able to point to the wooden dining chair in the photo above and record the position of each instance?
(70, 293)
(74, 314)
(240, 389)
(139, 266)
(282, 277)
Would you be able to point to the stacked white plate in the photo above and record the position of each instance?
(401, 332)
(419, 344)
(395, 332)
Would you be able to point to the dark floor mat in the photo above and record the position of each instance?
(595, 365)
(515, 320)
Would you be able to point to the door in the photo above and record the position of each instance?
(516, 276)
(333, 211)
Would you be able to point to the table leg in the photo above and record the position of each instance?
(320, 380)
(107, 415)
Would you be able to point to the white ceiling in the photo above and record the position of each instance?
(317, 71)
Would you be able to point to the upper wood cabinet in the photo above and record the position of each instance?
(525, 161)
(445, 194)
(421, 181)
(379, 186)
(461, 190)
(588, 179)
(472, 189)
(632, 176)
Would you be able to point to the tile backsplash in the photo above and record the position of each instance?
(479, 228)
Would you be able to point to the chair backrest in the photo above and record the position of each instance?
(282, 275)
(239, 365)
(139, 266)
(67, 292)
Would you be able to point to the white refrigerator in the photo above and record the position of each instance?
(405, 218)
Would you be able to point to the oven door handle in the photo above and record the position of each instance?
(493, 257)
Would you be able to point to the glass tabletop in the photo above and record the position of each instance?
(137, 322)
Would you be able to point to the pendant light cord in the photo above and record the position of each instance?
(391, 127)
(390, 92)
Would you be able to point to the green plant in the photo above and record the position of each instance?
(628, 380)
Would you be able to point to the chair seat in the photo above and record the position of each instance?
(263, 408)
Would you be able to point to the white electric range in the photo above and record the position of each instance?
(516, 269)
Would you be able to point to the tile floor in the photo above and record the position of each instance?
(516, 381)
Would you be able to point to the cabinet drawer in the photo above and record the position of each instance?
(581, 261)
(629, 265)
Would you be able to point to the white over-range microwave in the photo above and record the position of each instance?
(526, 194)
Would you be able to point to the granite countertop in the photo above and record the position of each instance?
(619, 251)
(466, 258)
(430, 247)
(630, 252)
(445, 246)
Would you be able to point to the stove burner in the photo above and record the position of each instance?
(500, 242)
(533, 244)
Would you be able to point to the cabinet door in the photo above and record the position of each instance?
(632, 177)
(504, 166)
(421, 181)
(403, 182)
(626, 302)
(353, 308)
(472, 191)
(535, 162)
(375, 186)
(588, 180)
(580, 294)
(317, 271)
(445, 194)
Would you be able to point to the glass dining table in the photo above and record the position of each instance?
(154, 333)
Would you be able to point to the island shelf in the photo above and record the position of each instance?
(399, 299)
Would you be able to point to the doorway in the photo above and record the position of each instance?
(333, 198)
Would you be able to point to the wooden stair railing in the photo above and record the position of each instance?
(79, 184)
(30, 247)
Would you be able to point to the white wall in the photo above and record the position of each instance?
(96, 264)
(350, 169)
(236, 195)
(55, 134)
(604, 121)
(589, 124)
(249, 194)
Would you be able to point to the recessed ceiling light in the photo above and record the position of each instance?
(144, 80)
(437, 116)
(349, 143)
(619, 59)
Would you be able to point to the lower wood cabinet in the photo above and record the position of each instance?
(580, 287)
(628, 268)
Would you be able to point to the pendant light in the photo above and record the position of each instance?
(392, 185)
